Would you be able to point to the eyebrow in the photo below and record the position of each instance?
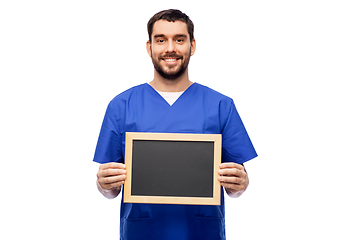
(176, 36)
(158, 35)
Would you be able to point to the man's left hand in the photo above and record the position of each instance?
(234, 178)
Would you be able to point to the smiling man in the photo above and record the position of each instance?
(171, 103)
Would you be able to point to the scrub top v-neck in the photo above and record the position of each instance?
(170, 97)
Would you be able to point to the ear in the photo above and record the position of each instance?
(193, 47)
(148, 47)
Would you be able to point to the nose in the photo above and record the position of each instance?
(170, 46)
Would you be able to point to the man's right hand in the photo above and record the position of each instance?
(111, 176)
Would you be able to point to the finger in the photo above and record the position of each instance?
(112, 180)
(112, 165)
(232, 180)
(233, 187)
(110, 172)
(232, 172)
(231, 165)
(112, 185)
(232, 183)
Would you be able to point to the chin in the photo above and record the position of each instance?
(171, 76)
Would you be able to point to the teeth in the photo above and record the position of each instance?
(170, 60)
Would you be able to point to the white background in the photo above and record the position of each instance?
(61, 62)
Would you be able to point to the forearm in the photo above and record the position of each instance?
(110, 194)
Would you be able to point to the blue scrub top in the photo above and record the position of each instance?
(198, 110)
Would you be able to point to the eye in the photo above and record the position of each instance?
(160, 40)
(180, 40)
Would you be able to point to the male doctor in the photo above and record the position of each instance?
(172, 103)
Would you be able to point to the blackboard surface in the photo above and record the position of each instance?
(172, 168)
(181, 168)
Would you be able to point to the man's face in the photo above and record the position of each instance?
(170, 48)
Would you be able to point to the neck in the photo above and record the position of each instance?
(179, 84)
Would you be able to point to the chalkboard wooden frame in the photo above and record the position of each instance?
(198, 142)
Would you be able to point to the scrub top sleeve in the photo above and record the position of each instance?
(237, 146)
(109, 148)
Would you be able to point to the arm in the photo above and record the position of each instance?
(234, 178)
(110, 178)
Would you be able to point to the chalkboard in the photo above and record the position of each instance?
(170, 168)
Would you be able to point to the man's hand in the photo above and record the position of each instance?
(111, 176)
(233, 178)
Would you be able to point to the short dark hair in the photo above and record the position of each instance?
(171, 15)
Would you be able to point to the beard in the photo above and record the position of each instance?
(171, 72)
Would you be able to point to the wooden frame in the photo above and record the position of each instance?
(135, 141)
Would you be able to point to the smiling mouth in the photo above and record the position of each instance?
(170, 59)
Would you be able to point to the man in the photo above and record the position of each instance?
(171, 103)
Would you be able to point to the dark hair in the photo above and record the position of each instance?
(171, 15)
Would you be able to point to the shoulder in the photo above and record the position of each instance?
(213, 94)
(127, 94)
(118, 104)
